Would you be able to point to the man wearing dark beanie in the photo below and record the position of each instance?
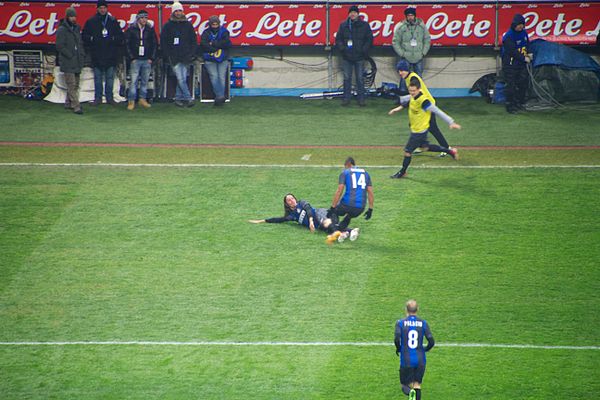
(354, 39)
(142, 45)
(103, 38)
(71, 57)
(411, 42)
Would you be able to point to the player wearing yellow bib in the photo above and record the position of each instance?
(421, 107)
(406, 75)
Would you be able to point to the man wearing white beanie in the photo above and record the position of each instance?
(178, 40)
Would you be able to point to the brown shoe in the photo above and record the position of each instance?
(144, 103)
(130, 105)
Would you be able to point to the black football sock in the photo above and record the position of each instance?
(435, 148)
(418, 394)
(406, 389)
(405, 164)
(344, 224)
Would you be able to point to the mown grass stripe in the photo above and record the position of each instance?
(292, 344)
(193, 165)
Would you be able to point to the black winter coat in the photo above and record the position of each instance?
(133, 40)
(184, 51)
(210, 46)
(105, 51)
(361, 35)
(69, 47)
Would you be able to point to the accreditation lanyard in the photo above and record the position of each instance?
(104, 30)
(141, 51)
(350, 43)
(413, 41)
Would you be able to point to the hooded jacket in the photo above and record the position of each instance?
(134, 39)
(405, 33)
(515, 45)
(178, 40)
(359, 32)
(69, 46)
(105, 50)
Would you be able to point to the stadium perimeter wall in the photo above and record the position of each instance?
(297, 57)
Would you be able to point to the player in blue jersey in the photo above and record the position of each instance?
(312, 218)
(356, 185)
(408, 338)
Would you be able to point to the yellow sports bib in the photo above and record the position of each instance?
(417, 117)
(423, 86)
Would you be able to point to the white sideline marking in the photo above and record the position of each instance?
(101, 164)
(292, 344)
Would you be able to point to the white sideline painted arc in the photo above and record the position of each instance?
(291, 344)
(127, 165)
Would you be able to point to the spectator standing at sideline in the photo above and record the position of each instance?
(71, 57)
(411, 42)
(103, 38)
(216, 43)
(515, 57)
(142, 44)
(354, 39)
(179, 42)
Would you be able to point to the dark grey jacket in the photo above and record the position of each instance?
(361, 35)
(69, 47)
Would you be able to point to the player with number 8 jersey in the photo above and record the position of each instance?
(408, 338)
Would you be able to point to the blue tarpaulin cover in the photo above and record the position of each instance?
(549, 53)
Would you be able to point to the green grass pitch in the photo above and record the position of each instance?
(495, 254)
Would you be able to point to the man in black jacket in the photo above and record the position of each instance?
(354, 39)
(178, 41)
(103, 38)
(71, 57)
(142, 44)
(515, 57)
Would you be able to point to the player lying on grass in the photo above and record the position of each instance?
(312, 218)
(420, 107)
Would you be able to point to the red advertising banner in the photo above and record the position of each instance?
(265, 24)
(305, 24)
(567, 23)
(448, 24)
(248, 24)
(37, 23)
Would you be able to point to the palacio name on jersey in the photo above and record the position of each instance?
(418, 324)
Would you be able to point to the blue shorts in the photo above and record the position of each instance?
(410, 375)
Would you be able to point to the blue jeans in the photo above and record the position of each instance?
(417, 68)
(139, 69)
(107, 75)
(359, 70)
(182, 92)
(217, 72)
